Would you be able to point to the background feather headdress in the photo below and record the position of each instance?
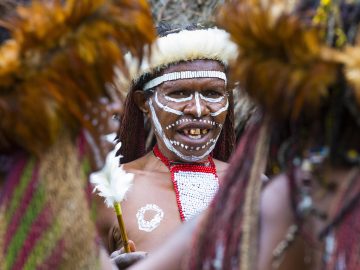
(57, 62)
(293, 64)
(281, 61)
(288, 57)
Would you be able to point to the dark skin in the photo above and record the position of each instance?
(276, 216)
(208, 87)
(151, 173)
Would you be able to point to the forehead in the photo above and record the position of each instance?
(195, 83)
(195, 65)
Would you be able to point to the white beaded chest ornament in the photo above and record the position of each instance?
(195, 185)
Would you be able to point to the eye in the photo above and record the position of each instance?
(115, 117)
(179, 94)
(213, 94)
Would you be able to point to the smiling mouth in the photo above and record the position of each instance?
(194, 137)
(195, 133)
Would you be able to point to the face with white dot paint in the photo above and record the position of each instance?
(104, 121)
(188, 114)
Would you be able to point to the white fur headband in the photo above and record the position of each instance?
(186, 45)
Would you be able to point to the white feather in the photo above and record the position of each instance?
(112, 182)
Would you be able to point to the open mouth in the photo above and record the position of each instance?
(194, 135)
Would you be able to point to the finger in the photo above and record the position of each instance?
(132, 246)
(127, 259)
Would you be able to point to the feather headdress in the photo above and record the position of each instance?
(285, 61)
(57, 63)
(281, 61)
(186, 45)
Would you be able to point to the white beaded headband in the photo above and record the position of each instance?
(184, 75)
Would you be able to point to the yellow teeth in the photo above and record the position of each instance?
(195, 131)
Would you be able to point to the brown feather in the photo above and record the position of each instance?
(280, 61)
(352, 69)
(58, 62)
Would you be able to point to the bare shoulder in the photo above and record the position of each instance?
(220, 166)
(137, 164)
(276, 217)
(142, 164)
(275, 199)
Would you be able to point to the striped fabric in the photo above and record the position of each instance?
(30, 237)
(39, 229)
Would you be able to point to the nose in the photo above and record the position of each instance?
(197, 107)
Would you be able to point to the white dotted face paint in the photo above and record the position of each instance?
(180, 110)
(161, 134)
(152, 224)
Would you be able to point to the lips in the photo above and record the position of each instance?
(194, 135)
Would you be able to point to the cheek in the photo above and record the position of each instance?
(166, 120)
(219, 112)
(220, 119)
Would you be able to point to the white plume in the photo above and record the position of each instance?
(112, 182)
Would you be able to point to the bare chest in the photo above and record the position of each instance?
(150, 211)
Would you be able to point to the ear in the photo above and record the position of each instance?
(141, 101)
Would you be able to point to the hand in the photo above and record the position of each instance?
(124, 260)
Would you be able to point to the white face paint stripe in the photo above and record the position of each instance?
(212, 100)
(181, 75)
(166, 108)
(197, 102)
(179, 99)
(168, 144)
(223, 109)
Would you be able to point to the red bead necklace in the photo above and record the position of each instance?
(195, 184)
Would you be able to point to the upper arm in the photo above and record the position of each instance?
(275, 218)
